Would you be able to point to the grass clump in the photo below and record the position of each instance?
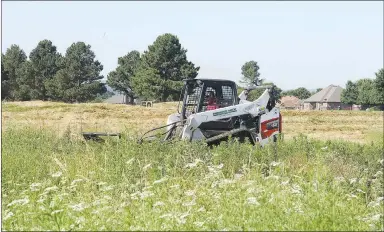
(62, 183)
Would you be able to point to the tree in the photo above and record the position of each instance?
(250, 71)
(288, 93)
(379, 86)
(78, 81)
(149, 84)
(45, 61)
(318, 90)
(121, 78)
(350, 93)
(12, 60)
(302, 93)
(4, 80)
(167, 61)
(26, 82)
(366, 92)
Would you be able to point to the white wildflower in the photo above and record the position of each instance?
(50, 189)
(378, 174)
(108, 188)
(35, 187)
(99, 202)
(107, 197)
(274, 164)
(296, 189)
(175, 186)
(339, 179)
(272, 177)
(184, 215)
(158, 203)
(76, 181)
(56, 211)
(124, 204)
(353, 180)
(375, 217)
(220, 166)
(324, 148)
(57, 174)
(52, 204)
(252, 201)
(285, 182)
(226, 182)
(373, 204)
(79, 207)
(194, 164)
(238, 176)
(360, 191)
(214, 184)
(41, 199)
(182, 218)
(168, 215)
(8, 215)
(350, 196)
(80, 220)
(101, 183)
(146, 167)
(201, 209)
(146, 194)
(190, 193)
(160, 180)
(251, 190)
(198, 224)
(23, 201)
(95, 212)
(272, 198)
(381, 161)
(135, 194)
(191, 203)
(130, 161)
(147, 187)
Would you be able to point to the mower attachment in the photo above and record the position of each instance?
(95, 135)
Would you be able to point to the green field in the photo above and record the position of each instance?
(52, 180)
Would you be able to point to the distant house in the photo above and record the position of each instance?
(290, 102)
(117, 99)
(327, 99)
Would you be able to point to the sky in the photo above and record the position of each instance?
(296, 44)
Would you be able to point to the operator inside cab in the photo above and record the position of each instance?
(212, 101)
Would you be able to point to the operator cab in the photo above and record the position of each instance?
(201, 95)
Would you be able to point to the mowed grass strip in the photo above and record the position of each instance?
(355, 126)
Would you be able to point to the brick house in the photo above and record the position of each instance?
(328, 98)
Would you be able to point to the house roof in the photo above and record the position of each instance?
(330, 94)
(290, 101)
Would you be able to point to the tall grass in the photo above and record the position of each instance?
(59, 183)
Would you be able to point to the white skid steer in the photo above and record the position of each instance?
(212, 111)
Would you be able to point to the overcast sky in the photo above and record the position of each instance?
(297, 44)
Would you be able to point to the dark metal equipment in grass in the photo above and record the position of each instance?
(95, 136)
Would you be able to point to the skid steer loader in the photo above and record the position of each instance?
(211, 110)
(229, 116)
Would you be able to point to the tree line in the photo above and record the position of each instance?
(250, 71)
(365, 91)
(155, 74)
